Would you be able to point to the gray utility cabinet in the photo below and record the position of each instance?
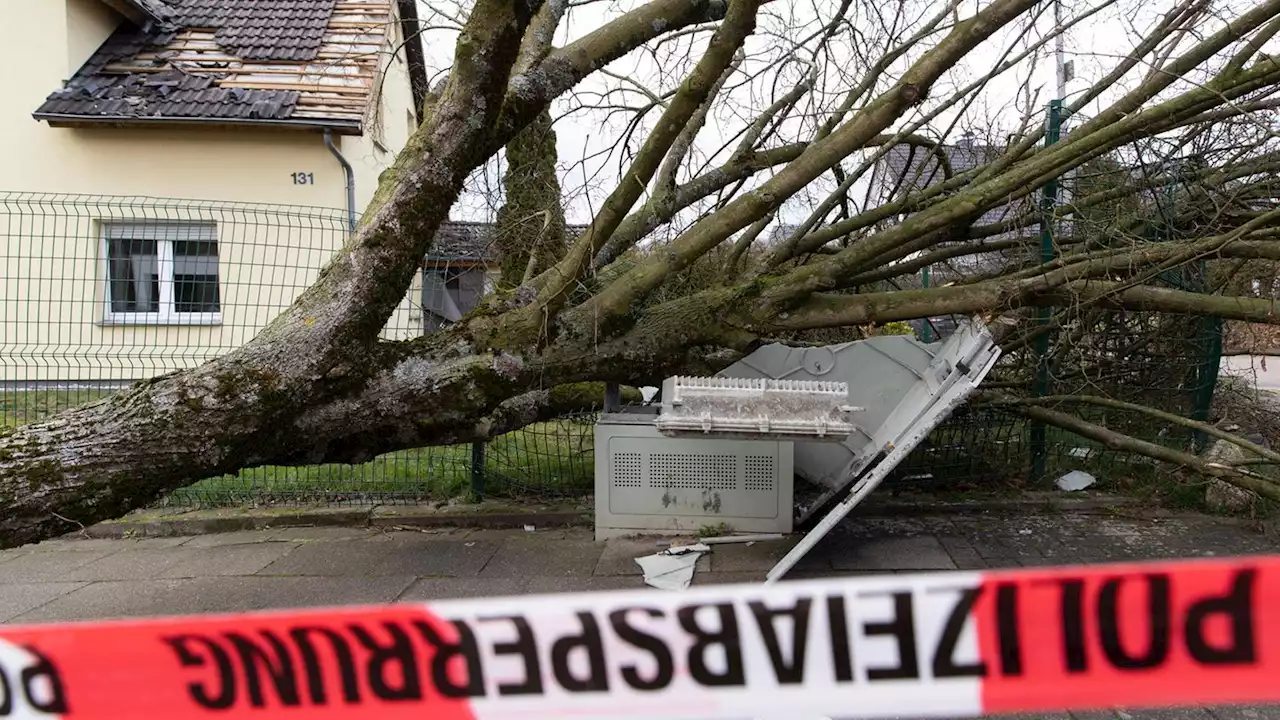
(648, 483)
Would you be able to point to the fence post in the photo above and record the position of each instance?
(477, 471)
(1048, 203)
(927, 334)
(1210, 363)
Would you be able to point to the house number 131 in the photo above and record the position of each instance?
(304, 179)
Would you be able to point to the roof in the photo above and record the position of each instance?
(142, 11)
(473, 242)
(310, 63)
(905, 168)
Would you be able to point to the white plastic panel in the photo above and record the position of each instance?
(754, 407)
(909, 389)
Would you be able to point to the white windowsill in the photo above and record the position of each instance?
(149, 319)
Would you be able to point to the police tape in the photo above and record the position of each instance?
(941, 644)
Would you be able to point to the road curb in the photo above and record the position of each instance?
(1048, 501)
(204, 522)
(159, 523)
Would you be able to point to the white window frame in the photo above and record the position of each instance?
(164, 232)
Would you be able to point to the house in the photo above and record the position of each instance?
(176, 171)
(907, 168)
(463, 267)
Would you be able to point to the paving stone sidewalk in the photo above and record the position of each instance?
(75, 579)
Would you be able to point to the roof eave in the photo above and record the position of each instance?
(341, 127)
(140, 13)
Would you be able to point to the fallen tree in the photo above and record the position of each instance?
(843, 90)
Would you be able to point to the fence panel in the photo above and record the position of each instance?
(97, 292)
(101, 291)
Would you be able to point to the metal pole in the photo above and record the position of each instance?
(1048, 201)
(477, 471)
(1060, 51)
(927, 334)
(612, 397)
(1060, 61)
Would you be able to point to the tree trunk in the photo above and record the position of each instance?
(530, 233)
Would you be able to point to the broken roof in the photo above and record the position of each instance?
(309, 63)
(143, 11)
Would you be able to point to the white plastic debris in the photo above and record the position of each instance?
(528, 528)
(1076, 480)
(672, 569)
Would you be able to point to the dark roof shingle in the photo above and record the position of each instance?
(233, 60)
(261, 29)
(906, 168)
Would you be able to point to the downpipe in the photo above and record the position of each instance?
(350, 178)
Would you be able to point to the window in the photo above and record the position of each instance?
(161, 273)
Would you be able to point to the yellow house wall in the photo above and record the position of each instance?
(89, 23)
(51, 272)
(372, 153)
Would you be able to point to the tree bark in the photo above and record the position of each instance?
(530, 232)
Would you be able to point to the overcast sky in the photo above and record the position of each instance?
(590, 139)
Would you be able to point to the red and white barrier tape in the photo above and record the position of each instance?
(946, 644)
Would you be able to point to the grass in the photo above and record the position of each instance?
(980, 453)
(28, 406)
(547, 459)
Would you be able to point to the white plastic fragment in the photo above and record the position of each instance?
(528, 528)
(672, 569)
(1075, 480)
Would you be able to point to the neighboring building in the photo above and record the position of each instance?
(906, 168)
(206, 99)
(249, 112)
(462, 268)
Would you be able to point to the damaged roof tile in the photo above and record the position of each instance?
(263, 29)
(233, 60)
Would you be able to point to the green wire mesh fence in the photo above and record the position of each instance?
(99, 292)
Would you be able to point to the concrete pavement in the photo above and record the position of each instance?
(78, 579)
(1262, 371)
(74, 579)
